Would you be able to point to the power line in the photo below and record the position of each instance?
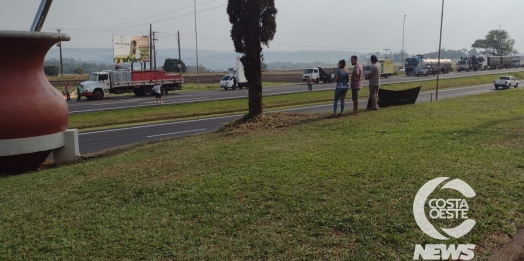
(134, 20)
(161, 20)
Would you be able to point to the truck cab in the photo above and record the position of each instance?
(515, 63)
(365, 71)
(463, 65)
(312, 73)
(96, 85)
(412, 65)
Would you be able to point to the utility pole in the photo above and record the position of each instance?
(61, 63)
(403, 31)
(154, 48)
(150, 47)
(387, 52)
(196, 42)
(179, 56)
(439, 47)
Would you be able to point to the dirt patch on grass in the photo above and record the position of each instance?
(267, 121)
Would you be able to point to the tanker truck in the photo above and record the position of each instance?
(415, 63)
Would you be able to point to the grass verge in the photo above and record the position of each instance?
(318, 189)
(173, 112)
(187, 87)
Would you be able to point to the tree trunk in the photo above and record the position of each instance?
(254, 77)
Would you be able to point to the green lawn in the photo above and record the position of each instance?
(290, 187)
(108, 119)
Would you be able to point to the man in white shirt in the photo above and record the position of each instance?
(158, 93)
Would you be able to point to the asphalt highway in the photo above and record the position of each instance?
(100, 140)
(123, 102)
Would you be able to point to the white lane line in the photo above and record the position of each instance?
(173, 133)
(101, 104)
(160, 124)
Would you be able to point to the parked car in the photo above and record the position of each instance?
(401, 69)
(425, 71)
(506, 82)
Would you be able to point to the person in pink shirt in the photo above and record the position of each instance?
(356, 82)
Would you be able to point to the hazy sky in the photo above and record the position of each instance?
(361, 26)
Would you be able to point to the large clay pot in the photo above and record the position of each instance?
(29, 105)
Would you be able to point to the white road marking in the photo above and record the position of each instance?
(159, 124)
(173, 133)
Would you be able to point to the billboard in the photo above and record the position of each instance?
(128, 49)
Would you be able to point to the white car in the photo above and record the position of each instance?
(506, 82)
(228, 81)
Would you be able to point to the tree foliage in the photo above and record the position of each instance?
(497, 42)
(50, 70)
(172, 65)
(253, 25)
(70, 65)
(79, 70)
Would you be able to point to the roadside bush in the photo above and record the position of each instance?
(51, 70)
(79, 71)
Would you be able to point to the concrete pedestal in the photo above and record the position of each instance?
(64, 146)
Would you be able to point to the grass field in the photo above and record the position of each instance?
(172, 112)
(289, 187)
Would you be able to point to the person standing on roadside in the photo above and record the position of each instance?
(309, 82)
(356, 82)
(158, 93)
(374, 81)
(342, 79)
(67, 89)
(79, 93)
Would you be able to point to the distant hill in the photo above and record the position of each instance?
(214, 60)
(220, 60)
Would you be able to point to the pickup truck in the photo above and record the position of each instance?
(506, 82)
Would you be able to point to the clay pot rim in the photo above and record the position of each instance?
(34, 35)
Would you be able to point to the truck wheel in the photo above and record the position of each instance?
(137, 92)
(496, 87)
(98, 94)
(516, 85)
(317, 81)
(147, 90)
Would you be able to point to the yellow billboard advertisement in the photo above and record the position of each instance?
(128, 49)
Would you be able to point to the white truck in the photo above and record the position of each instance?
(482, 62)
(517, 61)
(319, 74)
(140, 83)
(236, 76)
(506, 82)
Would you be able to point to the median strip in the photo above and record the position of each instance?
(107, 119)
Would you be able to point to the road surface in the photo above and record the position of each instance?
(123, 102)
(100, 140)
